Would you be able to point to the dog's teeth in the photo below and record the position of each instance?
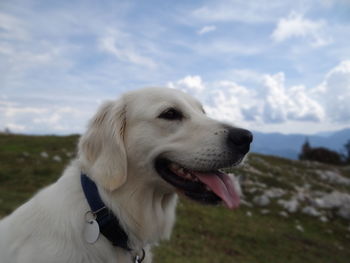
(181, 171)
(207, 188)
(174, 166)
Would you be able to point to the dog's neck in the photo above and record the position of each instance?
(146, 213)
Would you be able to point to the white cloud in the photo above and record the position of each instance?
(120, 46)
(245, 75)
(231, 102)
(91, 51)
(334, 92)
(206, 29)
(218, 47)
(24, 53)
(40, 119)
(276, 102)
(272, 105)
(288, 103)
(305, 107)
(14, 127)
(272, 102)
(12, 111)
(191, 84)
(296, 26)
(12, 28)
(241, 11)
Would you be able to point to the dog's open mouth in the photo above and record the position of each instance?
(209, 187)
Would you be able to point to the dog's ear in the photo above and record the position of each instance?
(101, 148)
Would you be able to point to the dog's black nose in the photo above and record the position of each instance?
(239, 139)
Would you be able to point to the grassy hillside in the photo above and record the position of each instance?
(292, 211)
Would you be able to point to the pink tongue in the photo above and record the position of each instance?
(222, 185)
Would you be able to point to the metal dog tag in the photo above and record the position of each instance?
(91, 231)
(138, 259)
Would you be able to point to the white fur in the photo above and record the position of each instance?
(117, 152)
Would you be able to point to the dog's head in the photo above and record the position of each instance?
(163, 137)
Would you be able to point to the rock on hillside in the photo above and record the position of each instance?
(289, 187)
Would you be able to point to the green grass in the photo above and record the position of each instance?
(214, 234)
(22, 169)
(202, 233)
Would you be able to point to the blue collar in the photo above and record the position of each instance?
(107, 221)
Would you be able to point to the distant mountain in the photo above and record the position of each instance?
(289, 145)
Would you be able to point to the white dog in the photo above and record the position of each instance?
(138, 152)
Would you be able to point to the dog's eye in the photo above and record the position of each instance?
(171, 114)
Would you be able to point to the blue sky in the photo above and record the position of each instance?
(266, 65)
